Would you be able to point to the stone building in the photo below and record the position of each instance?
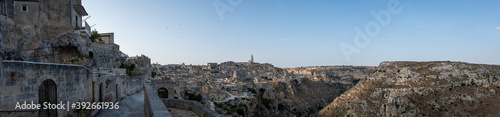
(46, 56)
(26, 12)
(57, 16)
(142, 65)
(107, 37)
(251, 59)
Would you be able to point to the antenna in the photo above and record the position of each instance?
(87, 18)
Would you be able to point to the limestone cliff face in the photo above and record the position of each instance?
(333, 74)
(300, 97)
(32, 43)
(310, 90)
(422, 89)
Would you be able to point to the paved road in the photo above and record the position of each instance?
(130, 106)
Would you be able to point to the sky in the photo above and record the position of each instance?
(295, 33)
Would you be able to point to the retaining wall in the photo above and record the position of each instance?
(194, 106)
(153, 105)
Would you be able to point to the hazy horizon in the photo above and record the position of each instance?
(298, 33)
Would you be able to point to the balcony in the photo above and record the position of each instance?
(84, 31)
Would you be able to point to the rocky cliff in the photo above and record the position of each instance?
(300, 97)
(262, 89)
(422, 89)
(33, 43)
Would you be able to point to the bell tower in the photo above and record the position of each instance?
(251, 59)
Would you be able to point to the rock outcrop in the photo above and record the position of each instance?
(422, 89)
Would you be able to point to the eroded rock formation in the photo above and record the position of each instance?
(422, 89)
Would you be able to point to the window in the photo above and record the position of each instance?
(3, 7)
(76, 21)
(24, 7)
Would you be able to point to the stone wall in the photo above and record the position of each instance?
(194, 106)
(153, 105)
(173, 92)
(20, 81)
(105, 55)
(56, 17)
(135, 84)
(28, 17)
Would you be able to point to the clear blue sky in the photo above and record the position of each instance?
(293, 33)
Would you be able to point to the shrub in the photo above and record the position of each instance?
(241, 105)
(252, 90)
(95, 36)
(74, 60)
(262, 90)
(153, 74)
(266, 102)
(241, 112)
(194, 97)
(128, 68)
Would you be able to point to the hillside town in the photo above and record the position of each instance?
(51, 57)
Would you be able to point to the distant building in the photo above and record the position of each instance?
(251, 59)
(107, 37)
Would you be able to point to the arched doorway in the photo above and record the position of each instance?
(101, 93)
(47, 92)
(163, 93)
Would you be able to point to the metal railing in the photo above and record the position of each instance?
(87, 28)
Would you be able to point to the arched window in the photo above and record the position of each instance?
(163, 93)
(47, 92)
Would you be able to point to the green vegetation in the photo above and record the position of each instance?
(153, 74)
(262, 90)
(240, 109)
(194, 97)
(128, 68)
(252, 90)
(242, 105)
(74, 60)
(264, 100)
(95, 37)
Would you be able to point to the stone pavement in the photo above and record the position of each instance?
(130, 106)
